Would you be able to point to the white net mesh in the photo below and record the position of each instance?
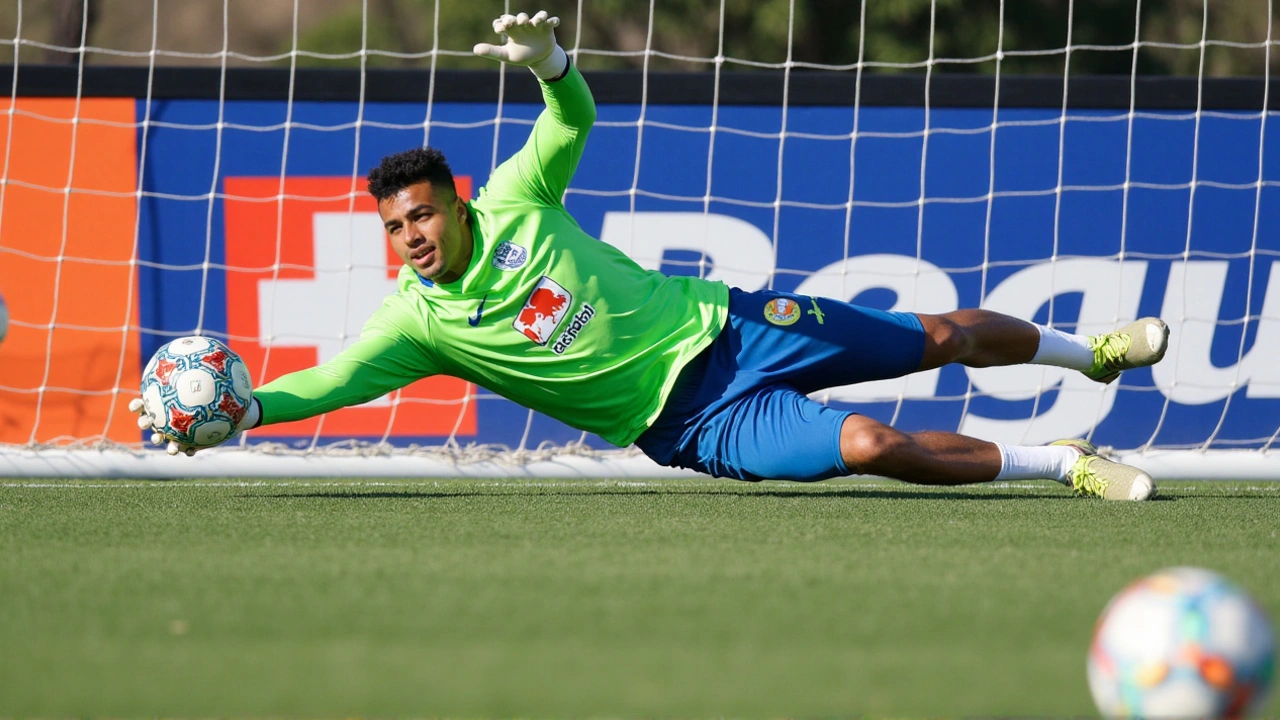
(1040, 159)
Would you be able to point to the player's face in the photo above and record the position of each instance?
(429, 231)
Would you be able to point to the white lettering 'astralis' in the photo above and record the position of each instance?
(571, 333)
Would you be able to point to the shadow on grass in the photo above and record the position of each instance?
(745, 493)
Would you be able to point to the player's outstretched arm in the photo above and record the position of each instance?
(541, 171)
(370, 368)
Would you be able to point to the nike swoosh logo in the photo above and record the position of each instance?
(475, 320)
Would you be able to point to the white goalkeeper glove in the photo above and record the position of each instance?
(531, 43)
(173, 447)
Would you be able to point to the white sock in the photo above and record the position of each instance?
(1044, 462)
(1063, 349)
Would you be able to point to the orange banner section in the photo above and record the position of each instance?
(74, 381)
(310, 289)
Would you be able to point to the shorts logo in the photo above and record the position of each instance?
(509, 256)
(542, 312)
(571, 333)
(782, 311)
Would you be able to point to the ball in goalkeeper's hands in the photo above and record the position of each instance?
(196, 393)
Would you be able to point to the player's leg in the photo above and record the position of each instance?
(982, 338)
(777, 432)
(814, 343)
(869, 447)
(978, 338)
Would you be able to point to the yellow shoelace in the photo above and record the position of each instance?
(1084, 480)
(1109, 350)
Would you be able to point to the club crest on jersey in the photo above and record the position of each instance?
(546, 306)
(782, 311)
(509, 256)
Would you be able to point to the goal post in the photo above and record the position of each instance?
(141, 204)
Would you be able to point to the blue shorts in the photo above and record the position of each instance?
(740, 408)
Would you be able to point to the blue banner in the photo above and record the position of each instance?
(1085, 223)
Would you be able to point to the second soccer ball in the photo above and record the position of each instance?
(1184, 642)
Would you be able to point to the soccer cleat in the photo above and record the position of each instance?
(1095, 475)
(1084, 446)
(1135, 345)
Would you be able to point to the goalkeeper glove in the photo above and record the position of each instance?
(531, 43)
(173, 447)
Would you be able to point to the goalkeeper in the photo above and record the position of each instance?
(508, 292)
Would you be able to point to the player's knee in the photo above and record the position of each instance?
(949, 341)
(871, 448)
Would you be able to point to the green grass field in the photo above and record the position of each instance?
(583, 598)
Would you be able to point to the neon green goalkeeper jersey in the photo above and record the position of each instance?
(545, 314)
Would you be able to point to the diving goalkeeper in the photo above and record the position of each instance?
(508, 292)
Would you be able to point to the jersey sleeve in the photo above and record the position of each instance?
(383, 360)
(541, 171)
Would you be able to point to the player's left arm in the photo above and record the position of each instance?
(541, 171)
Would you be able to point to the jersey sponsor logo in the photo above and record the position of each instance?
(571, 333)
(542, 312)
(509, 256)
(782, 311)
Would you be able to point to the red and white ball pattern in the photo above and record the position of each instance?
(196, 390)
(1183, 642)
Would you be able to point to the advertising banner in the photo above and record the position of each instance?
(253, 223)
(66, 270)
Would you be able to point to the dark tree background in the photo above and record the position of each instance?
(963, 36)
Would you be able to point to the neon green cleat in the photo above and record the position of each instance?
(1135, 345)
(1095, 475)
(1084, 446)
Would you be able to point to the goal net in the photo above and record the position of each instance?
(172, 169)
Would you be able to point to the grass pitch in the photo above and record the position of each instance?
(584, 598)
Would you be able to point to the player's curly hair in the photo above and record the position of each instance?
(400, 170)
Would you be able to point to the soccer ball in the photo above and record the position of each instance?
(196, 390)
(1181, 643)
